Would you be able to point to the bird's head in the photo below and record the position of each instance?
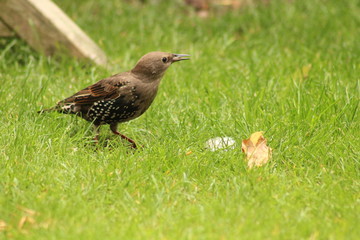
(154, 64)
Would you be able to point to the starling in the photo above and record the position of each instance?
(121, 97)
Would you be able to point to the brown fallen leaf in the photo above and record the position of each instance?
(256, 151)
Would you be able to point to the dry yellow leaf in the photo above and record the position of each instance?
(22, 222)
(188, 153)
(3, 225)
(256, 151)
(26, 220)
(28, 211)
(305, 70)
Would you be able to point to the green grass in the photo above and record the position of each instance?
(244, 76)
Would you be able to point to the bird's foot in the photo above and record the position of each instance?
(132, 142)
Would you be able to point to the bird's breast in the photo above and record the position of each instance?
(145, 95)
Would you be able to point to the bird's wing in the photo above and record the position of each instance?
(108, 88)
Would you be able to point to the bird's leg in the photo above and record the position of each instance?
(113, 128)
(97, 133)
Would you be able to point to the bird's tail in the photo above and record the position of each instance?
(60, 107)
(53, 109)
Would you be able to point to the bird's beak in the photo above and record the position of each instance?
(179, 57)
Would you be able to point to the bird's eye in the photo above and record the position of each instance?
(164, 59)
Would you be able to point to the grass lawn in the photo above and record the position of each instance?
(290, 69)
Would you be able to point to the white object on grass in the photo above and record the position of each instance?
(218, 143)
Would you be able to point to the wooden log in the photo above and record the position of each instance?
(5, 31)
(46, 28)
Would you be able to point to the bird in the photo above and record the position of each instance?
(121, 97)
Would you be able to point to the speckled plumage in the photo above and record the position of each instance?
(121, 97)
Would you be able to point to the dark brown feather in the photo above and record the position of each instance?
(102, 90)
